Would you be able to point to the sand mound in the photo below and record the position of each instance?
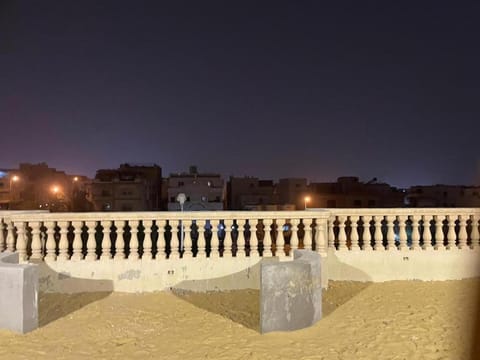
(393, 320)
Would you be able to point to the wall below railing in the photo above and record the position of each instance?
(222, 250)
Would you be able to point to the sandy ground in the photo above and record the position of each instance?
(393, 320)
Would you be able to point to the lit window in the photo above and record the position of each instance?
(209, 184)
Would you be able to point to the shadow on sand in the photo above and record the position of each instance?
(60, 302)
(243, 306)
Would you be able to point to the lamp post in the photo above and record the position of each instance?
(306, 200)
(181, 200)
(13, 180)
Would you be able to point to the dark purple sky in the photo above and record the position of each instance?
(272, 89)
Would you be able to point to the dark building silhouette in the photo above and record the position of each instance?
(131, 187)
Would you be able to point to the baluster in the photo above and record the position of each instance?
(331, 233)
(427, 234)
(147, 240)
(462, 233)
(201, 242)
(3, 245)
(214, 241)
(366, 235)
(50, 244)
(91, 243)
(133, 255)
(21, 240)
(402, 232)
(161, 242)
(320, 236)
(10, 237)
(253, 241)
(354, 237)
(342, 235)
(174, 243)
(439, 233)
(390, 232)
(279, 238)
(378, 236)
(475, 234)
(63, 241)
(307, 237)
(415, 233)
(36, 241)
(227, 241)
(106, 241)
(119, 241)
(267, 238)
(451, 236)
(187, 239)
(240, 238)
(294, 238)
(77, 241)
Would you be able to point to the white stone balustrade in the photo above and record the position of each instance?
(404, 229)
(347, 229)
(166, 248)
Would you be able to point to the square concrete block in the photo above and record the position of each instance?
(291, 293)
(18, 294)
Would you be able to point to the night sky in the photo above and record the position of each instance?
(310, 89)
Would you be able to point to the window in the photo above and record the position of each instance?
(217, 198)
(204, 198)
(188, 198)
(209, 183)
(105, 193)
(181, 183)
(172, 199)
(126, 207)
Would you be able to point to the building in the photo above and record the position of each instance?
(202, 191)
(37, 186)
(349, 192)
(292, 191)
(248, 193)
(443, 196)
(128, 188)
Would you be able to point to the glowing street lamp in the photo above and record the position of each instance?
(13, 180)
(75, 178)
(306, 200)
(55, 189)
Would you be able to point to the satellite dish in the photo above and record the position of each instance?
(181, 198)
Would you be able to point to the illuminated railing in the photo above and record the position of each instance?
(163, 235)
(174, 235)
(403, 229)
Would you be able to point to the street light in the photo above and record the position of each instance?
(307, 200)
(13, 180)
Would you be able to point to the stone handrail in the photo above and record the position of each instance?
(404, 229)
(163, 235)
(214, 234)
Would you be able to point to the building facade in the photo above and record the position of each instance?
(38, 186)
(443, 196)
(128, 188)
(248, 193)
(349, 192)
(202, 191)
